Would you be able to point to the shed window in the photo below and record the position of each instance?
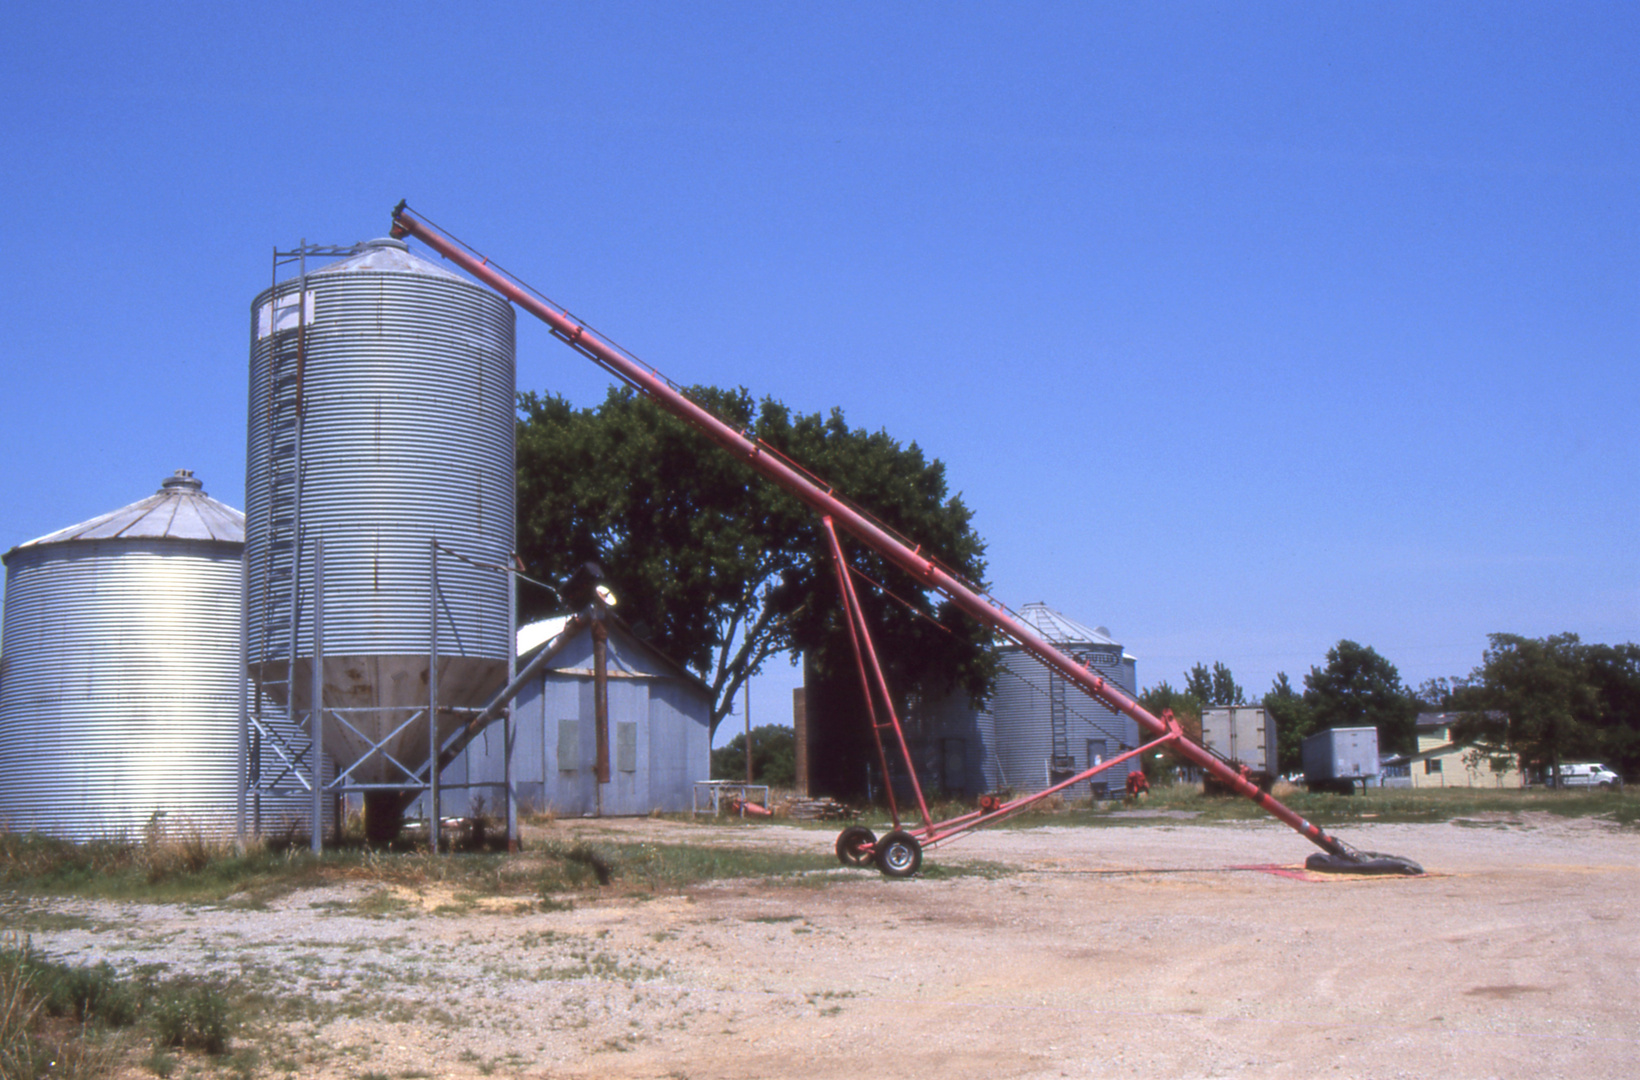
(1432, 765)
(626, 745)
(569, 745)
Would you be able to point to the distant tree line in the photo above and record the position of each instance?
(774, 757)
(1545, 700)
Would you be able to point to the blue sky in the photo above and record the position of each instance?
(1242, 328)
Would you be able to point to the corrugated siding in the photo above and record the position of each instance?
(556, 742)
(409, 432)
(120, 700)
(1021, 713)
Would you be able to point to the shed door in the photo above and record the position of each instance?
(1097, 749)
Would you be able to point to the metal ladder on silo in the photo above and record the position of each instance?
(1061, 761)
(274, 626)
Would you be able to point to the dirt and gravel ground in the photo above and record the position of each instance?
(1173, 950)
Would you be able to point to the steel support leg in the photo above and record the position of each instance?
(863, 648)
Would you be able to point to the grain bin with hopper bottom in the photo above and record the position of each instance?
(381, 421)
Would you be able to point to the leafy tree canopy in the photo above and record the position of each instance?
(1614, 670)
(1535, 695)
(725, 570)
(774, 757)
(1294, 719)
(1187, 708)
(1359, 688)
(1216, 687)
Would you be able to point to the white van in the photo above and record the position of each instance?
(1592, 775)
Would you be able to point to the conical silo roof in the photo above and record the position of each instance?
(180, 510)
(1061, 629)
(390, 255)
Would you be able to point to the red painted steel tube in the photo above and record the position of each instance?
(774, 468)
(865, 682)
(851, 602)
(945, 830)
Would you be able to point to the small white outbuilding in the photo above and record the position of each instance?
(659, 733)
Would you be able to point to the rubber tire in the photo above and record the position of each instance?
(856, 846)
(899, 855)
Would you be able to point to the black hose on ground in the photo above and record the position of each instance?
(1362, 862)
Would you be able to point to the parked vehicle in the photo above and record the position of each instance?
(1586, 775)
(1245, 736)
(1340, 758)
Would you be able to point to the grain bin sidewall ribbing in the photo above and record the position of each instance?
(119, 707)
(1022, 713)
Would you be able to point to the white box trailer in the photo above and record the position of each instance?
(1242, 735)
(1337, 759)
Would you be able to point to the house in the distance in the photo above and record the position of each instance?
(1440, 762)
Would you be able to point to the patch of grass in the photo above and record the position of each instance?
(151, 869)
(667, 867)
(161, 1063)
(60, 1020)
(1388, 805)
(189, 1015)
(553, 875)
(37, 921)
(939, 870)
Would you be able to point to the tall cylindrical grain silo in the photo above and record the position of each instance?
(1046, 725)
(381, 419)
(119, 701)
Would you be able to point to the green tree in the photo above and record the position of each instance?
(1293, 719)
(1187, 710)
(1215, 687)
(725, 570)
(1615, 672)
(774, 757)
(1359, 688)
(1536, 696)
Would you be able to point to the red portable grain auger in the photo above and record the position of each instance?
(899, 852)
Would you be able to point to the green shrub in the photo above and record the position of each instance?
(190, 1015)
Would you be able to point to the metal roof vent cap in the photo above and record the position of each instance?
(384, 242)
(184, 482)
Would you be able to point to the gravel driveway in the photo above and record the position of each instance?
(1160, 949)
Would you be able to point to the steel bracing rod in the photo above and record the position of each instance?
(772, 467)
(292, 759)
(865, 653)
(945, 830)
(865, 682)
(377, 747)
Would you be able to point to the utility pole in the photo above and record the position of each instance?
(748, 731)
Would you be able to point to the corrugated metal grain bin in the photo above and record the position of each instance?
(1244, 734)
(1039, 717)
(391, 380)
(119, 706)
(1340, 758)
